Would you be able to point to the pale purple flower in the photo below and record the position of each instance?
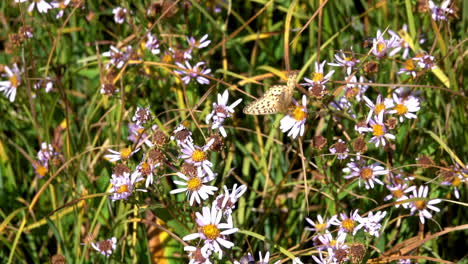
(346, 61)
(423, 205)
(371, 223)
(440, 12)
(124, 185)
(366, 173)
(105, 247)
(152, 43)
(196, 72)
(119, 14)
(198, 156)
(405, 107)
(220, 112)
(199, 44)
(194, 187)
(318, 76)
(227, 201)
(210, 229)
(10, 87)
(382, 47)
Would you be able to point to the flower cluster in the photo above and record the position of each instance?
(46, 156)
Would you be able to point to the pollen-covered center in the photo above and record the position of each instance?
(409, 65)
(401, 109)
(381, 46)
(123, 189)
(366, 173)
(14, 80)
(299, 114)
(211, 231)
(145, 168)
(321, 227)
(125, 153)
(198, 155)
(41, 170)
(167, 58)
(317, 76)
(378, 130)
(420, 205)
(398, 193)
(456, 181)
(194, 184)
(348, 224)
(379, 108)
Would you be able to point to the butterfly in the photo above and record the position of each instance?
(276, 99)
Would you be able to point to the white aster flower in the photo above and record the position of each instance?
(124, 185)
(198, 156)
(381, 47)
(409, 68)
(10, 87)
(117, 57)
(379, 131)
(318, 76)
(41, 5)
(405, 107)
(378, 107)
(211, 230)
(227, 201)
(323, 260)
(152, 43)
(294, 122)
(142, 116)
(355, 88)
(440, 12)
(347, 223)
(220, 112)
(423, 205)
(105, 247)
(199, 44)
(198, 255)
(182, 135)
(194, 188)
(196, 72)
(342, 60)
(119, 14)
(368, 173)
(425, 61)
(340, 148)
(123, 154)
(399, 191)
(62, 5)
(371, 223)
(146, 169)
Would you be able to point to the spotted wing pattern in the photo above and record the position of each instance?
(276, 99)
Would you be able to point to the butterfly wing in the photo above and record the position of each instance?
(276, 99)
(269, 103)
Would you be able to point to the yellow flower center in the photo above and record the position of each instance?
(14, 81)
(140, 131)
(352, 92)
(41, 170)
(420, 205)
(398, 193)
(348, 58)
(379, 108)
(456, 182)
(332, 243)
(317, 76)
(198, 155)
(194, 184)
(321, 227)
(167, 58)
(125, 153)
(211, 231)
(299, 114)
(123, 189)
(409, 65)
(348, 224)
(381, 46)
(401, 109)
(366, 173)
(378, 130)
(62, 5)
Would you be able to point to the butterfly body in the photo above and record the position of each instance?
(276, 99)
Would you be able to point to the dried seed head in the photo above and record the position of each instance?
(159, 138)
(425, 161)
(357, 252)
(189, 169)
(57, 259)
(360, 145)
(319, 142)
(371, 67)
(218, 143)
(156, 156)
(120, 169)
